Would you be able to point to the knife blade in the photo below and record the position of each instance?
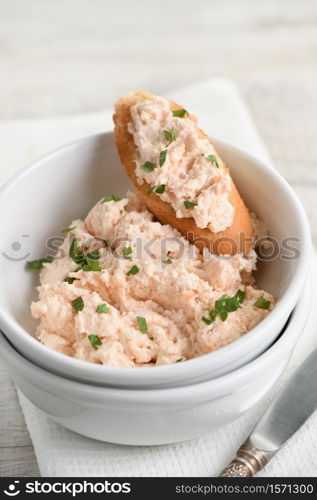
(295, 402)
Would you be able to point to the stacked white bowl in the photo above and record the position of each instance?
(143, 406)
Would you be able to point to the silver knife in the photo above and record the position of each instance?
(296, 401)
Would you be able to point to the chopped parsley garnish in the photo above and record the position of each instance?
(68, 229)
(206, 320)
(89, 262)
(78, 304)
(147, 166)
(180, 360)
(170, 135)
(75, 254)
(223, 315)
(92, 261)
(212, 315)
(150, 190)
(102, 308)
(95, 341)
(70, 279)
(180, 113)
(38, 264)
(213, 159)
(224, 306)
(127, 253)
(133, 270)
(159, 190)
(94, 255)
(162, 157)
(262, 303)
(189, 204)
(142, 324)
(93, 265)
(111, 197)
(229, 304)
(168, 261)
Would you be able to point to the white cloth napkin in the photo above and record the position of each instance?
(60, 452)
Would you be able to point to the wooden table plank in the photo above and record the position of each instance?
(17, 456)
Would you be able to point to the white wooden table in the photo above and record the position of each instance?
(78, 56)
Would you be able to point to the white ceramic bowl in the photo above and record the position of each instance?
(150, 417)
(65, 184)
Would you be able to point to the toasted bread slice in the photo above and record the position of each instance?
(235, 239)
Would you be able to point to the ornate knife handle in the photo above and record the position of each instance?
(248, 462)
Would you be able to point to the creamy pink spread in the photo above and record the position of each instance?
(152, 292)
(186, 174)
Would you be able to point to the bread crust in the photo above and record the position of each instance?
(235, 239)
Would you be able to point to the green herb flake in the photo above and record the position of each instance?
(95, 341)
(206, 320)
(147, 166)
(142, 324)
(170, 135)
(112, 197)
(70, 280)
(133, 270)
(223, 315)
(212, 315)
(127, 253)
(91, 262)
(224, 306)
(78, 304)
(87, 262)
(38, 264)
(189, 204)
(92, 265)
(162, 157)
(160, 189)
(94, 255)
(180, 113)
(168, 261)
(240, 296)
(262, 303)
(102, 308)
(68, 229)
(73, 249)
(150, 190)
(213, 159)
(74, 253)
(180, 360)
(229, 304)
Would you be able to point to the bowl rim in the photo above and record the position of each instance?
(189, 394)
(27, 341)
